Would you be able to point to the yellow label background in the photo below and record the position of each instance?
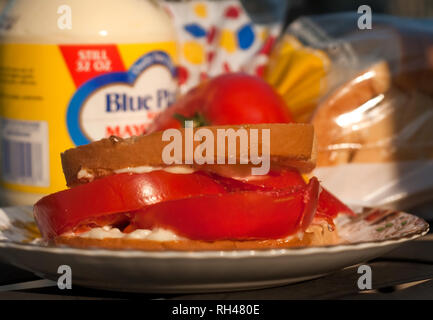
(56, 87)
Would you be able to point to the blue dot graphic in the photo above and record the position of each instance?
(245, 37)
(195, 30)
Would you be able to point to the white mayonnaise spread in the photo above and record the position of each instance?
(158, 234)
(146, 169)
(85, 174)
(143, 234)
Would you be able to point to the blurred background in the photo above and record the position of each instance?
(413, 9)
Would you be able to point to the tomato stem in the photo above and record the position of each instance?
(198, 119)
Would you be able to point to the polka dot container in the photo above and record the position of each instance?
(217, 37)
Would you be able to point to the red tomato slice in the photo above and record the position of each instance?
(328, 207)
(276, 180)
(239, 215)
(286, 179)
(120, 193)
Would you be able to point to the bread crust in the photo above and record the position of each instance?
(315, 236)
(291, 145)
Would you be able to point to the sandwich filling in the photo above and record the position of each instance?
(180, 203)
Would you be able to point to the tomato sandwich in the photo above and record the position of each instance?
(123, 195)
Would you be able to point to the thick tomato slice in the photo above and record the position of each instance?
(328, 207)
(95, 203)
(240, 215)
(286, 179)
(276, 180)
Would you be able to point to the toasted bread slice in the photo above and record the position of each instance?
(290, 145)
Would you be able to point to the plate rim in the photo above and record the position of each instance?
(205, 254)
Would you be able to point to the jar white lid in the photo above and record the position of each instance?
(93, 21)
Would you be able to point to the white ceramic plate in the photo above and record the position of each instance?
(367, 236)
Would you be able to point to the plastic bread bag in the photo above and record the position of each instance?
(369, 94)
(216, 37)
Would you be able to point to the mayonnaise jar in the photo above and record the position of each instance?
(72, 72)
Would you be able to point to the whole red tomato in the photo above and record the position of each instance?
(233, 98)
